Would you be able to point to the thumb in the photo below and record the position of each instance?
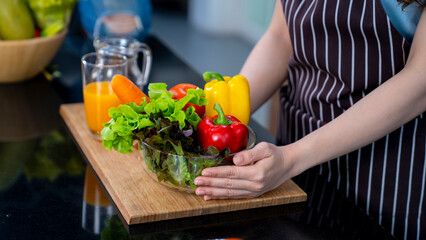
(250, 156)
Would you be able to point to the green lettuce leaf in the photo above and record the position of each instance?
(158, 90)
(129, 119)
(198, 96)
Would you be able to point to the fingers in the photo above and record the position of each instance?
(243, 161)
(255, 172)
(227, 183)
(232, 172)
(224, 193)
(253, 155)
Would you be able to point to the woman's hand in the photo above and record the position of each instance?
(256, 171)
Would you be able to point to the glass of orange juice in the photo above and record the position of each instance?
(97, 72)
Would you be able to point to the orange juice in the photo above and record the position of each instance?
(93, 192)
(98, 98)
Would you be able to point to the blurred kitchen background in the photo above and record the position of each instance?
(215, 35)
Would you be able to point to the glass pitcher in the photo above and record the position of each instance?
(131, 48)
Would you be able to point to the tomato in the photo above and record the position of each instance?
(179, 91)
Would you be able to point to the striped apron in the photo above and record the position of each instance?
(342, 51)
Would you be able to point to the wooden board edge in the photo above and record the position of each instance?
(303, 194)
(220, 208)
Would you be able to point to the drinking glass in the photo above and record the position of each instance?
(97, 72)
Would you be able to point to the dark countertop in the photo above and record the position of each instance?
(42, 173)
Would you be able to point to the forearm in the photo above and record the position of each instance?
(388, 107)
(266, 66)
(385, 109)
(265, 69)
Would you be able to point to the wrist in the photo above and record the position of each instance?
(297, 157)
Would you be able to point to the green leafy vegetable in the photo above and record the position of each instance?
(128, 119)
(166, 133)
(173, 154)
(52, 15)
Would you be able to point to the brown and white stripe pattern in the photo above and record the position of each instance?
(342, 51)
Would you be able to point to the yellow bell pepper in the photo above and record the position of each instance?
(233, 95)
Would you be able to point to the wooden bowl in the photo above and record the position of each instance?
(23, 59)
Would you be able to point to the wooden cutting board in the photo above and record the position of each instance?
(141, 199)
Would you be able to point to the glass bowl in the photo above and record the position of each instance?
(179, 172)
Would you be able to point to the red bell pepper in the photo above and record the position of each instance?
(222, 131)
(179, 91)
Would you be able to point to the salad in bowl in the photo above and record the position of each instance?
(176, 141)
